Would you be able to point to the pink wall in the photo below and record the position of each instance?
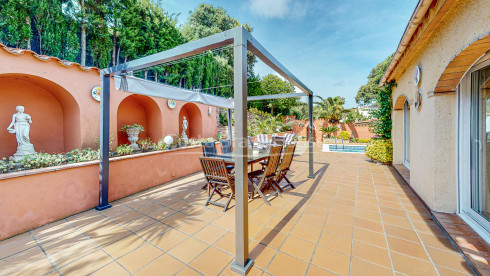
(46, 195)
(358, 130)
(23, 74)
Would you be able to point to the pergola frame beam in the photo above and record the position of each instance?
(242, 41)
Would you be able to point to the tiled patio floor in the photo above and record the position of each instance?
(355, 218)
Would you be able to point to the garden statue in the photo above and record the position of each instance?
(185, 125)
(21, 126)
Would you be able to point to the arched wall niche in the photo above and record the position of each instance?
(193, 115)
(54, 111)
(143, 110)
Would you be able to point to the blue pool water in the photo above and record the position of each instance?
(347, 148)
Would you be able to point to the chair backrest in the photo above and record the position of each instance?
(262, 139)
(226, 146)
(209, 149)
(250, 142)
(288, 138)
(273, 161)
(277, 140)
(215, 170)
(287, 158)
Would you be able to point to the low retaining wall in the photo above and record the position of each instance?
(29, 199)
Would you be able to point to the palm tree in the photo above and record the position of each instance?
(330, 108)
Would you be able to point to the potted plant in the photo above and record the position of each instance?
(329, 130)
(132, 131)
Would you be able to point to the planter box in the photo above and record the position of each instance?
(29, 199)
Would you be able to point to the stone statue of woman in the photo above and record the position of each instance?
(21, 127)
(185, 125)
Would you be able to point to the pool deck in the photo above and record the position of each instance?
(354, 218)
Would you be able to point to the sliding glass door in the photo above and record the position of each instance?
(480, 142)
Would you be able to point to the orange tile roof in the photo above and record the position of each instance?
(66, 63)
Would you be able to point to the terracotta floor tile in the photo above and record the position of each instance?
(331, 260)
(284, 264)
(209, 215)
(367, 214)
(314, 270)
(71, 239)
(411, 266)
(72, 253)
(397, 221)
(402, 233)
(370, 237)
(183, 253)
(169, 239)
(226, 222)
(52, 231)
(40, 267)
(188, 271)
(436, 241)
(175, 220)
(191, 226)
(121, 247)
(226, 243)
(271, 237)
(336, 242)
(363, 268)
(408, 248)
(369, 224)
(111, 269)
(311, 220)
(450, 260)
(210, 233)
(152, 231)
(261, 254)
(87, 264)
(140, 257)
(211, 262)
(449, 272)
(163, 265)
(371, 253)
(338, 229)
(298, 248)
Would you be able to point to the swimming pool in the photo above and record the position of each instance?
(344, 148)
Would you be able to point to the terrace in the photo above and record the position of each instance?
(354, 218)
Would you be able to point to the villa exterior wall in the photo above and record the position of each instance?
(55, 88)
(433, 156)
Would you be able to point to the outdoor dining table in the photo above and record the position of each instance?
(253, 156)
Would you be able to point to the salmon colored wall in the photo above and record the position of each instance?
(30, 201)
(71, 87)
(358, 130)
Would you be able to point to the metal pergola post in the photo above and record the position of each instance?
(242, 263)
(310, 140)
(230, 125)
(105, 96)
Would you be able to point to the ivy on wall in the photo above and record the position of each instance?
(382, 126)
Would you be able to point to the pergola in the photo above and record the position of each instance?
(241, 41)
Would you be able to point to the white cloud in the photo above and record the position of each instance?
(278, 8)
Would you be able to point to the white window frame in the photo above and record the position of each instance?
(406, 138)
(463, 112)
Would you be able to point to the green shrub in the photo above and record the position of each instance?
(137, 126)
(381, 150)
(359, 140)
(145, 144)
(344, 135)
(124, 150)
(160, 145)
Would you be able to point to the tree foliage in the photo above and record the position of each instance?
(353, 115)
(331, 108)
(271, 85)
(368, 92)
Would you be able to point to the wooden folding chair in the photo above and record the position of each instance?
(285, 165)
(217, 177)
(262, 179)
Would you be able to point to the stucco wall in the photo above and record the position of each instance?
(33, 198)
(46, 87)
(433, 127)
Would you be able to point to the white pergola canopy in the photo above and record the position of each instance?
(242, 41)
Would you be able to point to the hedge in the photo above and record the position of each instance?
(381, 150)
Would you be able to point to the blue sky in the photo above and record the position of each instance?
(331, 45)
